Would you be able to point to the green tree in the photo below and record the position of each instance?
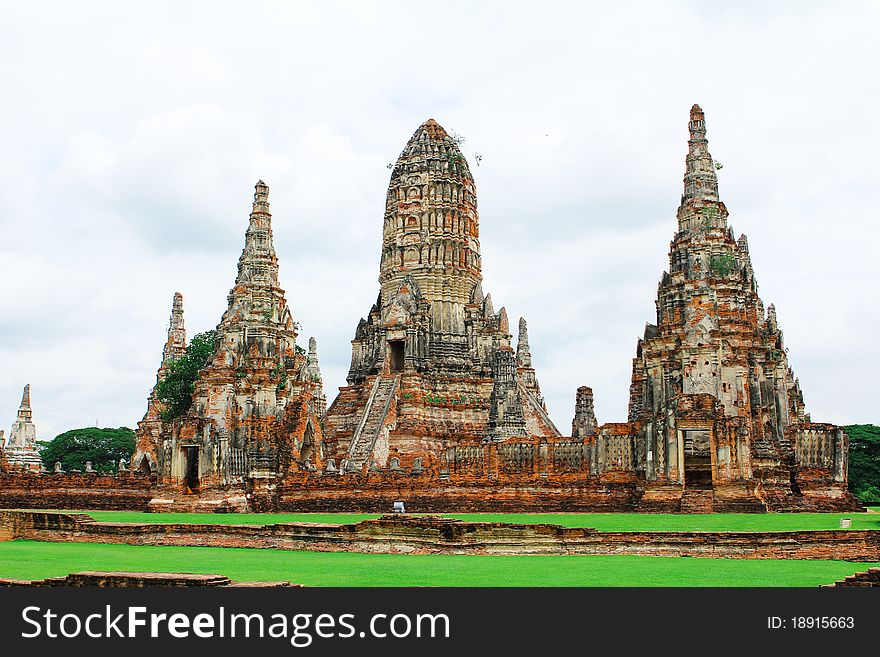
(175, 391)
(864, 462)
(103, 447)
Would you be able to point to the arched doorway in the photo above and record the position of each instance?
(697, 459)
(397, 352)
(191, 469)
(143, 465)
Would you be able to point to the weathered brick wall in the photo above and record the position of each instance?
(429, 492)
(377, 492)
(870, 577)
(137, 580)
(126, 491)
(397, 534)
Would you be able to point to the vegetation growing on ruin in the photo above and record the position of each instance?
(33, 560)
(175, 391)
(864, 462)
(103, 447)
(722, 264)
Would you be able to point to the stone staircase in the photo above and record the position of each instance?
(697, 501)
(870, 577)
(536, 406)
(364, 439)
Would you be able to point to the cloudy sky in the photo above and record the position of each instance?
(132, 135)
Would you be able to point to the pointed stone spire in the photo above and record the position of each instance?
(256, 298)
(772, 322)
(506, 417)
(313, 373)
(258, 264)
(523, 353)
(175, 345)
(21, 448)
(488, 308)
(700, 180)
(742, 245)
(313, 356)
(24, 410)
(584, 415)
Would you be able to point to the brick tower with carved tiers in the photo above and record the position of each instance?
(257, 406)
(721, 411)
(148, 436)
(432, 364)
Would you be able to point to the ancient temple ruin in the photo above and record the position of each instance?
(20, 451)
(442, 410)
(257, 407)
(148, 437)
(432, 364)
(716, 415)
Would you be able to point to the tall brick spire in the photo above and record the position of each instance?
(258, 263)
(431, 231)
(700, 180)
(175, 345)
(700, 208)
(256, 298)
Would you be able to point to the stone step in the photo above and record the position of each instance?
(697, 501)
(362, 443)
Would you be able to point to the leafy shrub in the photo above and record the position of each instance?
(175, 391)
(103, 447)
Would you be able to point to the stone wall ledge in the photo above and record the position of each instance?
(433, 535)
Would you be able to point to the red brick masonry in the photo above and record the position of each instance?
(138, 580)
(433, 535)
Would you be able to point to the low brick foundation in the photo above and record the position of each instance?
(126, 491)
(376, 492)
(433, 535)
(137, 580)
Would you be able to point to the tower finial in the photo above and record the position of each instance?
(261, 197)
(258, 264)
(26, 398)
(175, 345)
(700, 180)
(523, 352)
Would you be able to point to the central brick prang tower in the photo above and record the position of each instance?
(431, 357)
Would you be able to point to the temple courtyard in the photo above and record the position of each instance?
(27, 559)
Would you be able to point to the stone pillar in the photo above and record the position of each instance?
(841, 456)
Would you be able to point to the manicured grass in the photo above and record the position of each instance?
(36, 560)
(600, 521)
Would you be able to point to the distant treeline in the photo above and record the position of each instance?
(864, 462)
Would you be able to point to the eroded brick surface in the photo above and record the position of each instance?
(425, 535)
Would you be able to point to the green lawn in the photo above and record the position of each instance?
(600, 521)
(34, 560)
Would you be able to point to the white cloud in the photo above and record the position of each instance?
(133, 136)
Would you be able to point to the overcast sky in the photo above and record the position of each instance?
(132, 135)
